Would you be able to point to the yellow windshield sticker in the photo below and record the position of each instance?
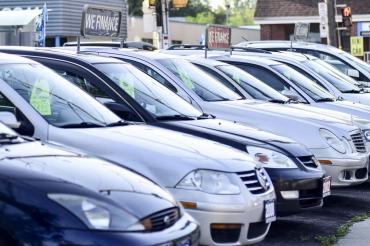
(184, 76)
(128, 86)
(40, 97)
(236, 77)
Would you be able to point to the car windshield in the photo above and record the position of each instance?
(58, 101)
(356, 60)
(204, 85)
(312, 89)
(150, 94)
(256, 88)
(339, 80)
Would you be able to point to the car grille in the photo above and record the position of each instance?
(308, 161)
(359, 142)
(164, 219)
(256, 181)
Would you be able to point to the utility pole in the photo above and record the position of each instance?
(332, 24)
(165, 24)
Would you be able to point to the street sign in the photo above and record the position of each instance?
(357, 46)
(363, 29)
(323, 13)
(100, 21)
(218, 37)
(301, 31)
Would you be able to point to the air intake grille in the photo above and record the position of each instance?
(256, 181)
(359, 142)
(164, 219)
(308, 161)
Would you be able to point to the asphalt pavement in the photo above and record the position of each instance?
(339, 208)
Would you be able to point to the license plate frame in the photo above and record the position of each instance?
(326, 186)
(270, 211)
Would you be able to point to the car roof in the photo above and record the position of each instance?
(287, 44)
(205, 61)
(13, 59)
(93, 59)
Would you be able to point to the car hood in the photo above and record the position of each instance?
(49, 164)
(243, 134)
(352, 108)
(155, 152)
(363, 98)
(299, 125)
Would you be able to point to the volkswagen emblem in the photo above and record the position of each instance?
(166, 220)
(262, 180)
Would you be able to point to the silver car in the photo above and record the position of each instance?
(347, 164)
(233, 192)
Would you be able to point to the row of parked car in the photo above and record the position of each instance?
(111, 146)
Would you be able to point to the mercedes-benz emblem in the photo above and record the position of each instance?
(166, 220)
(262, 180)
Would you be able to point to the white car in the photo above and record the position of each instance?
(234, 192)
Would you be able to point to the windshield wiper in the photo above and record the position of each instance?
(119, 123)
(205, 116)
(352, 91)
(175, 117)
(277, 101)
(328, 99)
(6, 138)
(82, 125)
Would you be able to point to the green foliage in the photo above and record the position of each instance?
(201, 18)
(135, 7)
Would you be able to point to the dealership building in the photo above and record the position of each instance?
(18, 20)
(278, 17)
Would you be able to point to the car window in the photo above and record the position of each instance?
(204, 85)
(312, 89)
(339, 80)
(270, 79)
(256, 88)
(85, 84)
(153, 96)
(58, 101)
(217, 76)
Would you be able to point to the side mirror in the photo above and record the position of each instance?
(353, 73)
(290, 94)
(9, 119)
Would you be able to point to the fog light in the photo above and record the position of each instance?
(291, 194)
(189, 205)
(325, 162)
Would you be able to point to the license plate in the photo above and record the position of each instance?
(326, 189)
(184, 242)
(270, 213)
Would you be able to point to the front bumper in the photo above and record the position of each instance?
(309, 185)
(351, 169)
(185, 230)
(244, 210)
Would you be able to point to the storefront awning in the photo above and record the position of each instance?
(18, 17)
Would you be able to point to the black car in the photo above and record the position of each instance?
(97, 76)
(52, 196)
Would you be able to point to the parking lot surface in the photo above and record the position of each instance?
(340, 207)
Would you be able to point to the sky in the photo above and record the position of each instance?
(215, 3)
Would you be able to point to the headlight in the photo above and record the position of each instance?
(98, 215)
(333, 141)
(367, 135)
(213, 182)
(270, 158)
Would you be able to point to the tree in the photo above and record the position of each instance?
(135, 7)
(193, 8)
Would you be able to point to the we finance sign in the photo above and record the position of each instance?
(218, 37)
(100, 21)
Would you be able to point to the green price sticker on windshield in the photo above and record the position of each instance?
(128, 87)
(184, 76)
(236, 78)
(40, 97)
